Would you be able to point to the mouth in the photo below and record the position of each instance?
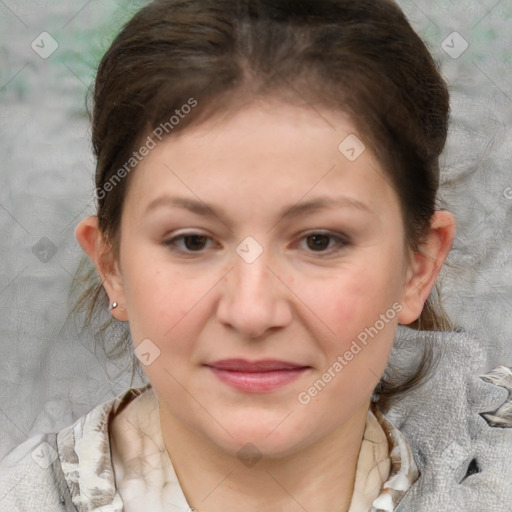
(256, 376)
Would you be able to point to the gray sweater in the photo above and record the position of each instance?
(459, 426)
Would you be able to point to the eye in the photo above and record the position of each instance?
(320, 241)
(192, 242)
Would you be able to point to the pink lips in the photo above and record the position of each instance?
(256, 376)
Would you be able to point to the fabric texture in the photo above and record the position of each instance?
(456, 427)
(373, 465)
(464, 462)
(385, 468)
(151, 483)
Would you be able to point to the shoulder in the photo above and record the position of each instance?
(48, 472)
(31, 477)
(459, 425)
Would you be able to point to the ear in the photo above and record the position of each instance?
(425, 265)
(99, 251)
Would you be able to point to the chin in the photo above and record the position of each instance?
(273, 437)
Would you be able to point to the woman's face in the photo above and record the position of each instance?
(263, 268)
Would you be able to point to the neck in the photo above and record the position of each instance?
(320, 476)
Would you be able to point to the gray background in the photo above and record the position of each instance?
(49, 373)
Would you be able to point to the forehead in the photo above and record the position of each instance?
(264, 155)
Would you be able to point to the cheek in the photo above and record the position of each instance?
(353, 300)
(157, 299)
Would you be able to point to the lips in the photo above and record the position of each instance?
(242, 365)
(262, 376)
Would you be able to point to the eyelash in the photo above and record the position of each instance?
(341, 240)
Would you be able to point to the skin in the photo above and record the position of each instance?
(295, 302)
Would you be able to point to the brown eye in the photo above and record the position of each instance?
(188, 243)
(318, 242)
(195, 242)
(325, 243)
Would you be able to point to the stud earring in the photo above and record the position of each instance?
(113, 305)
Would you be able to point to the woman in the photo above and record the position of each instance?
(231, 139)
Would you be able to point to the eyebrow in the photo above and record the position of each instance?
(295, 210)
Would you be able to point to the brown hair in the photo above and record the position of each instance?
(359, 56)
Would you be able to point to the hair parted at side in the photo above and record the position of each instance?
(358, 56)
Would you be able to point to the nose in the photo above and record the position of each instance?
(255, 299)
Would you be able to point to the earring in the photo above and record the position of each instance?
(113, 306)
